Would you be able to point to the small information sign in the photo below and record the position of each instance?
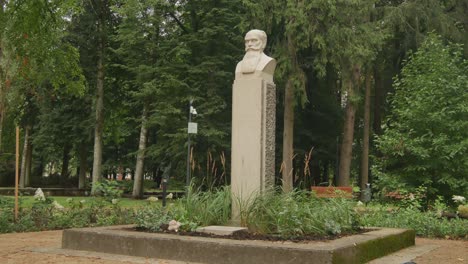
(192, 128)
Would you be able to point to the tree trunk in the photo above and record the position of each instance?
(315, 173)
(378, 99)
(97, 160)
(83, 166)
(2, 116)
(366, 135)
(28, 167)
(23, 181)
(288, 138)
(288, 125)
(326, 170)
(121, 173)
(139, 168)
(65, 160)
(41, 168)
(348, 129)
(3, 89)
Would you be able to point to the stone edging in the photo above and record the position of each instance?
(352, 249)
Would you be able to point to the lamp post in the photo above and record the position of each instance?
(164, 189)
(192, 129)
(17, 172)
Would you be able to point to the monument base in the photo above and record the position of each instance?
(122, 240)
(253, 140)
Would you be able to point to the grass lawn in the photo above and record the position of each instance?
(27, 201)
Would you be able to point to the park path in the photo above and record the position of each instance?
(44, 247)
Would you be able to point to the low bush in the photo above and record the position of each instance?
(203, 208)
(287, 215)
(6, 214)
(193, 210)
(153, 218)
(426, 224)
(298, 213)
(463, 211)
(47, 214)
(110, 190)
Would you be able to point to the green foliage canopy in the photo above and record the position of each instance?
(426, 140)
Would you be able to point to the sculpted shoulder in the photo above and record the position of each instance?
(265, 66)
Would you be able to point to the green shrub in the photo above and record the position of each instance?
(152, 218)
(6, 214)
(126, 185)
(193, 210)
(462, 210)
(110, 190)
(297, 213)
(427, 224)
(288, 215)
(425, 139)
(203, 208)
(48, 215)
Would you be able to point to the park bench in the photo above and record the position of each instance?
(332, 191)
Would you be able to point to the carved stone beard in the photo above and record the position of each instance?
(251, 60)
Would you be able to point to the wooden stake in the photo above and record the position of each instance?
(17, 173)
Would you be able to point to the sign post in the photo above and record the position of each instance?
(192, 129)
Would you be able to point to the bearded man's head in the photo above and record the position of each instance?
(255, 43)
(255, 40)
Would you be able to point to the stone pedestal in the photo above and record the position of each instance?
(253, 139)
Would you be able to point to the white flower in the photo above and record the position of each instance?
(169, 196)
(174, 225)
(458, 199)
(115, 201)
(39, 195)
(57, 206)
(360, 203)
(152, 199)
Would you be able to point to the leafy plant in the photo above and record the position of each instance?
(426, 142)
(153, 218)
(193, 210)
(110, 190)
(47, 214)
(427, 224)
(203, 208)
(42, 212)
(6, 214)
(462, 210)
(297, 213)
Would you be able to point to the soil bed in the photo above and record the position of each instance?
(258, 236)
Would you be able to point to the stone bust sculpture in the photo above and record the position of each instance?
(255, 63)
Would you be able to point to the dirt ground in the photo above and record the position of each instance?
(44, 247)
(448, 251)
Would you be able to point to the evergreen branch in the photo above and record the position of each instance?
(178, 22)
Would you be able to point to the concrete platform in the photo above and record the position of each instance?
(221, 230)
(352, 249)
